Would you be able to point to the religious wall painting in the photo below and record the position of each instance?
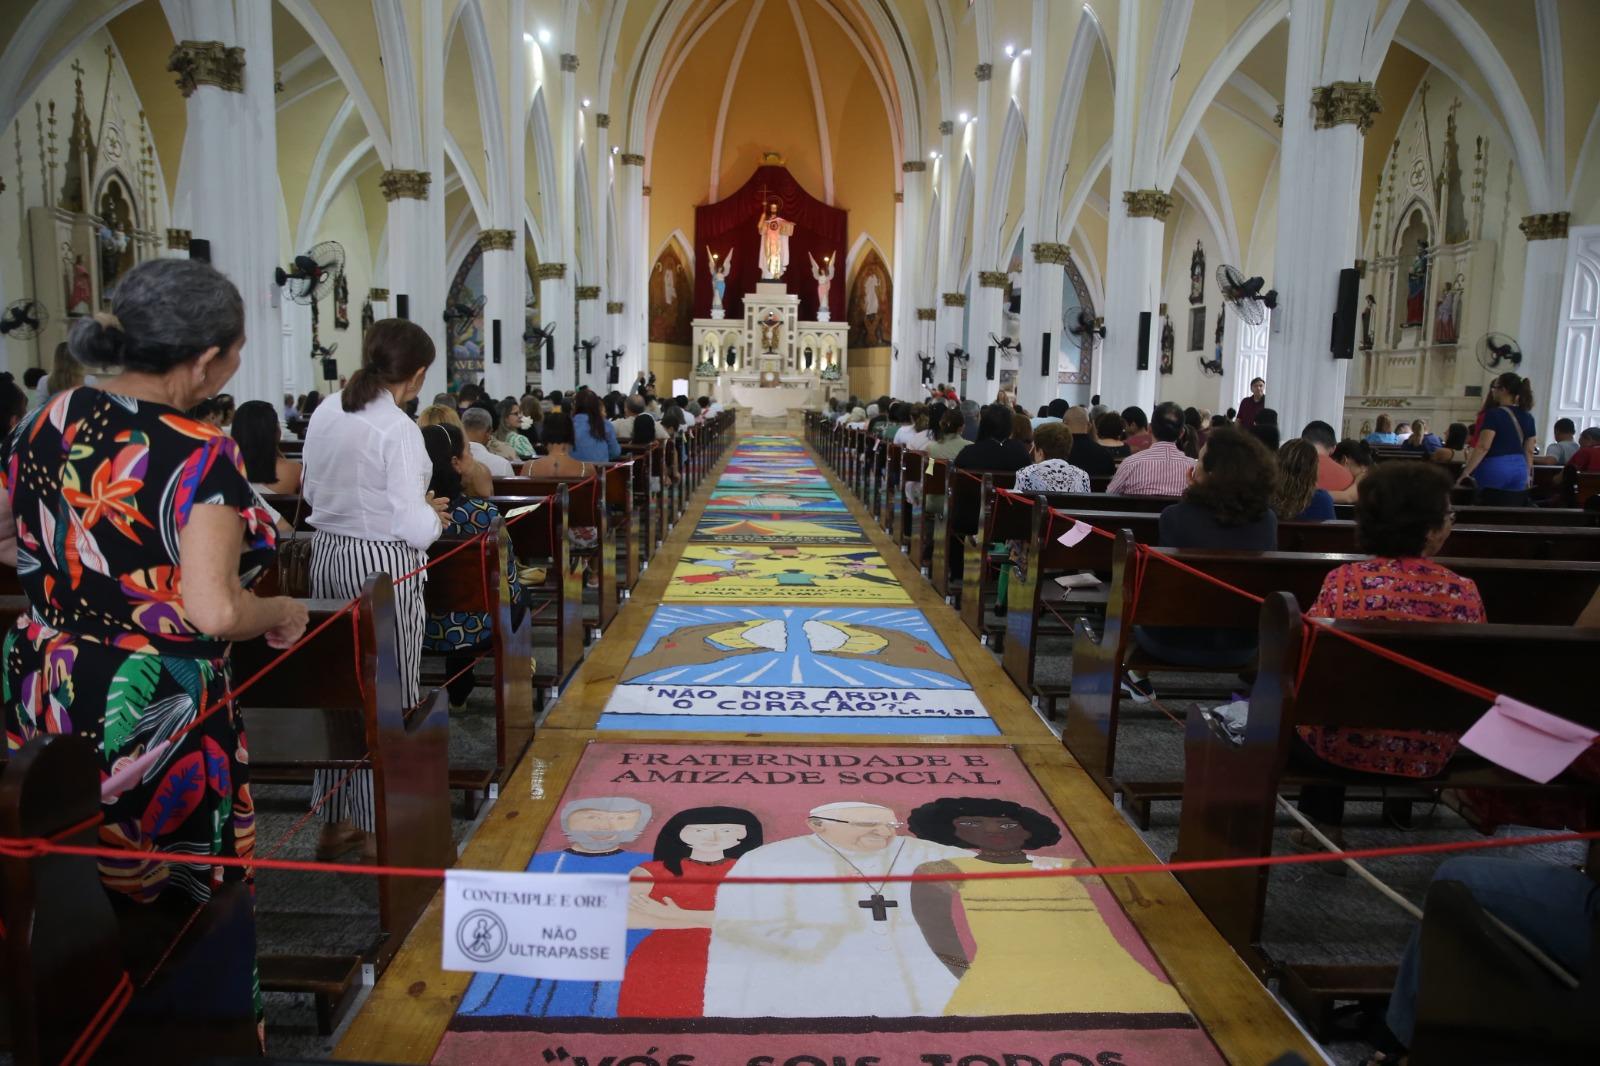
(464, 333)
(1447, 312)
(671, 298)
(793, 670)
(341, 302)
(871, 303)
(796, 573)
(115, 225)
(1197, 329)
(1169, 339)
(1369, 309)
(1031, 970)
(1197, 274)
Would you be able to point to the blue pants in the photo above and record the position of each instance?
(1552, 906)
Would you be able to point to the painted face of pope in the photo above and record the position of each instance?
(863, 828)
(597, 830)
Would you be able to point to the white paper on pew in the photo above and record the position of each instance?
(1084, 580)
(1534, 743)
(124, 774)
(556, 926)
(1075, 533)
(518, 511)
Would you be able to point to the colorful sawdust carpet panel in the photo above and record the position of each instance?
(1026, 970)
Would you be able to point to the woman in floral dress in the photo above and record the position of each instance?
(135, 534)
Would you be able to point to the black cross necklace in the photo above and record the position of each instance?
(876, 902)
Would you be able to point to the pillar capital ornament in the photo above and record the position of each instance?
(1147, 203)
(1277, 117)
(602, 121)
(497, 240)
(378, 295)
(644, 190)
(569, 63)
(198, 63)
(1051, 252)
(927, 314)
(993, 279)
(954, 299)
(588, 292)
(631, 159)
(899, 197)
(178, 240)
(550, 271)
(946, 128)
(1551, 226)
(913, 166)
(614, 307)
(1345, 103)
(984, 72)
(404, 184)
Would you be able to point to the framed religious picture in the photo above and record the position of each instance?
(1197, 275)
(1168, 342)
(1197, 329)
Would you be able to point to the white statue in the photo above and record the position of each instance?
(775, 232)
(869, 296)
(719, 281)
(669, 288)
(824, 279)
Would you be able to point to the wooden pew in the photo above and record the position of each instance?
(474, 579)
(349, 717)
(889, 491)
(586, 506)
(929, 506)
(901, 509)
(1229, 789)
(558, 603)
(965, 491)
(649, 499)
(624, 525)
(1515, 592)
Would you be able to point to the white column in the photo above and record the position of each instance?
(557, 297)
(228, 183)
(908, 231)
(503, 293)
(631, 275)
(984, 310)
(1318, 222)
(1133, 286)
(1041, 300)
(1543, 275)
(411, 262)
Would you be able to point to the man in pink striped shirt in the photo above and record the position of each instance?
(1161, 469)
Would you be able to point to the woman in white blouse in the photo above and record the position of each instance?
(366, 481)
(1050, 472)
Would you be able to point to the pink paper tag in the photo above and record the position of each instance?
(1075, 533)
(1526, 740)
(123, 777)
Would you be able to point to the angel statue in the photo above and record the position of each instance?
(824, 279)
(719, 280)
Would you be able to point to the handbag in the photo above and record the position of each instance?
(294, 559)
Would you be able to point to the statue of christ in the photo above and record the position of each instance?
(775, 231)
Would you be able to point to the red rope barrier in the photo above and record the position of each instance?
(99, 1027)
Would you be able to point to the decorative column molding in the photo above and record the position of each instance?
(614, 307)
(1551, 226)
(1052, 253)
(899, 197)
(984, 72)
(378, 295)
(588, 292)
(404, 184)
(1345, 103)
(178, 240)
(1277, 117)
(631, 159)
(602, 121)
(992, 279)
(550, 271)
(927, 314)
(913, 166)
(1148, 203)
(946, 128)
(569, 63)
(497, 240)
(198, 63)
(954, 299)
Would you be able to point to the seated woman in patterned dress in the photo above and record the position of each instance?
(136, 535)
(1403, 518)
(462, 635)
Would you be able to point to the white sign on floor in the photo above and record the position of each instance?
(556, 926)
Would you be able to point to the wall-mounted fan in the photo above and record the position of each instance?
(545, 335)
(1211, 367)
(1083, 328)
(310, 277)
(614, 364)
(588, 347)
(1497, 352)
(23, 320)
(1244, 295)
(958, 357)
(927, 362)
(459, 317)
(1007, 345)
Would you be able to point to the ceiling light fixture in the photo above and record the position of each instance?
(585, 101)
(963, 118)
(527, 38)
(1011, 51)
(1027, 51)
(544, 36)
(616, 149)
(933, 155)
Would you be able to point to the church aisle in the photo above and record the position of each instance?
(776, 700)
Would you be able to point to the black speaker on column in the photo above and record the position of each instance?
(402, 305)
(1044, 354)
(1143, 362)
(497, 340)
(550, 350)
(200, 249)
(330, 370)
(988, 367)
(1343, 341)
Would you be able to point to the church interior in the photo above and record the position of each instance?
(784, 228)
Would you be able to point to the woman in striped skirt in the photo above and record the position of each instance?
(366, 480)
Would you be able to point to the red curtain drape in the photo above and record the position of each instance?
(819, 230)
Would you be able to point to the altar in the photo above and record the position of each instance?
(770, 361)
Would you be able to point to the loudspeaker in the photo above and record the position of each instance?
(402, 305)
(1343, 341)
(200, 249)
(988, 367)
(550, 351)
(1044, 354)
(614, 375)
(1143, 362)
(952, 370)
(497, 340)
(330, 370)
